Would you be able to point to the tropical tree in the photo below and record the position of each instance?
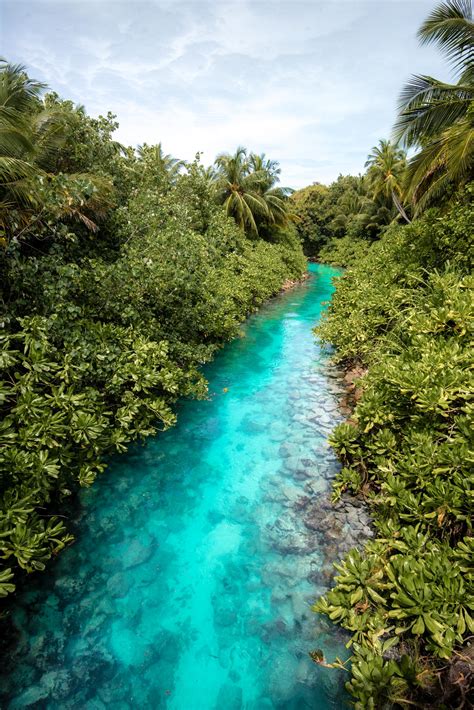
(209, 174)
(88, 144)
(274, 195)
(277, 205)
(17, 136)
(246, 185)
(30, 137)
(386, 169)
(437, 116)
(165, 167)
(261, 164)
(238, 189)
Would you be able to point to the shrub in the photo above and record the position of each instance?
(344, 251)
(407, 309)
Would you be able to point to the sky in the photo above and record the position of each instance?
(312, 84)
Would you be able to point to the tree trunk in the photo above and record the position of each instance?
(400, 207)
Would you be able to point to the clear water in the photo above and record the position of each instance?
(190, 584)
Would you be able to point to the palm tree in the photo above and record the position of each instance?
(238, 189)
(274, 195)
(437, 116)
(348, 207)
(372, 216)
(268, 168)
(209, 174)
(17, 95)
(386, 168)
(29, 138)
(164, 165)
(246, 187)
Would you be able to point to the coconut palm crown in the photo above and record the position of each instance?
(437, 116)
(386, 169)
(246, 185)
(30, 136)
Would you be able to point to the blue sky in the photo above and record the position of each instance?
(312, 84)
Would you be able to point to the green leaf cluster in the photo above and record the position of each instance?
(348, 207)
(406, 309)
(343, 251)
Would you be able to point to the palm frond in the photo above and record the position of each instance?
(49, 132)
(14, 142)
(428, 106)
(17, 91)
(448, 159)
(450, 26)
(14, 169)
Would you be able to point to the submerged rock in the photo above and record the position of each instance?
(58, 683)
(287, 450)
(338, 527)
(224, 617)
(29, 697)
(291, 493)
(136, 553)
(229, 697)
(282, 683)
(111, 693)
(119, 584)
(274, 629)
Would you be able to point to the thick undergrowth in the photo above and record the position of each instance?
(121, 274)
(406, 310)
(95, 354)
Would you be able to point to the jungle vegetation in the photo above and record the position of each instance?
(435, 120)
(122, 271)
(404, 310)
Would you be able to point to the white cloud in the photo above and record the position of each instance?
(311, 83)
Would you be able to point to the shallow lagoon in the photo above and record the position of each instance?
(190, 584)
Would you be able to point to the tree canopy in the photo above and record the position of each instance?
(436, 116)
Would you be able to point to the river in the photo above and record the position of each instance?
(190, 583)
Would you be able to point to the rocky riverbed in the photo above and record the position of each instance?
(199, 556)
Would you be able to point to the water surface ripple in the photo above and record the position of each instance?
(190, 584)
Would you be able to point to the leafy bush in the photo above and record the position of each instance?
(372, 293)
(344, 251)
(407, 309)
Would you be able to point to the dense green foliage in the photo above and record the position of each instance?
(359, 208)
(369, 298)
(406, 309)
(325, 213)
(343, 251)
(438, 117)
(107, 312)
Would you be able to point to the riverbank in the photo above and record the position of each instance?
(193, 571)
(407, 598)
(291, 283)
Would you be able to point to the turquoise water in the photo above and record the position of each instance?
(190, 584)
